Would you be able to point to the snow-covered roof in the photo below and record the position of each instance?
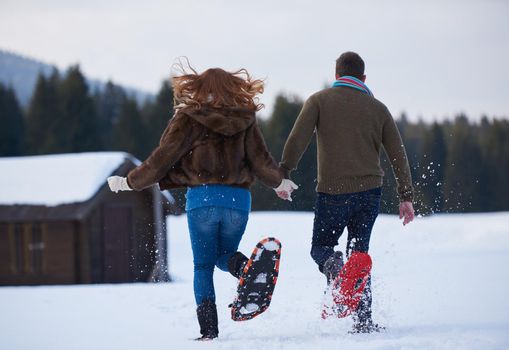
(56, 179)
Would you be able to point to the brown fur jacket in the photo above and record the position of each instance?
(208, 146)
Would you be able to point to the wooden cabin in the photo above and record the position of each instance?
(60, 223)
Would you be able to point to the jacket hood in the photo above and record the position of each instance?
(225, 121)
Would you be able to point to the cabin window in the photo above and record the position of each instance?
(28, 247)
(36, 248)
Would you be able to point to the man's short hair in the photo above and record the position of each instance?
(350, 63)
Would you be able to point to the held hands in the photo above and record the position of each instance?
(285, 189)
(406, 212)
(118, 183)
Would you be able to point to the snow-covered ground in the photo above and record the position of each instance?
(439, 283)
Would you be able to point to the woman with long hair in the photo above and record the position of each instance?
(214, 147)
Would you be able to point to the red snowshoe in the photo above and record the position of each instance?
(347, 288)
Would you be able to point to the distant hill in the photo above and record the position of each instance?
(21, 73)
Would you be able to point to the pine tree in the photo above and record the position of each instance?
(108, 104)
(433, 164)
(410, 135)
(129, 133)
(463, 177)
(276, 130)
(11, 124)
(494, 141)
(43, 115)
(278, 127)
(79, 126)
(156, 115)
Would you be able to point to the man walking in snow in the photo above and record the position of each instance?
(351, 127)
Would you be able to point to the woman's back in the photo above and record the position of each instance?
(225, 147)
(213, 137)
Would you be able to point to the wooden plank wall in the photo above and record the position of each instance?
(56, 249)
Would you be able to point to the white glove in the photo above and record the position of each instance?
(118, 183)
(285, 189)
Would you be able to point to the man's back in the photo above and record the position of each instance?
(351, 127)
(349, 131)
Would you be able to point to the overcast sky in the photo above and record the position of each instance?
(429, 58)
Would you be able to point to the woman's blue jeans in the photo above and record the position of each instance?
(215, 235)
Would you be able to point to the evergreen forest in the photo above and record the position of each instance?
(457, 165)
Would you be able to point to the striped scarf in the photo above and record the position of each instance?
(352, 82)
